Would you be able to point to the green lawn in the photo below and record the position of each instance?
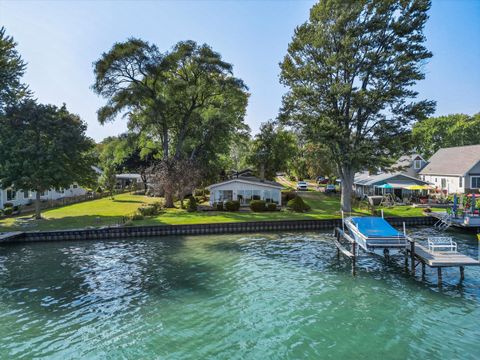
(107, 212)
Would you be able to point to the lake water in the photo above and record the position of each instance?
(262, 296)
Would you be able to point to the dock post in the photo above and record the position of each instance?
(439, 273)
(423, 270)
(412, 256)
(462, 273)
(354, 258)
(406, 260)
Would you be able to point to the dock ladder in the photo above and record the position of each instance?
(444, 222)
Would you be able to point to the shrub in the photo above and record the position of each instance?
(1, 212)
(8, 205)
(158, 207)
(99, 190)
(232, 205)
(8, 211)
(192, 204)
(258, 205)
(137, 216)
(288, 195)
(271, 207)
(219, 206)
(148, 210)
(298, 205)
(427, 210)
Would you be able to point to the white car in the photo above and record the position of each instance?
(302, 186)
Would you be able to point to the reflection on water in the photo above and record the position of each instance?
(231, 296)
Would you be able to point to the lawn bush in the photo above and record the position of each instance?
(192, 204)
(258, 205)
(8, 211)
(148, 210)
(218, 206)
(8, 205)
(137, 216)
(298, 205)
(99, 190)
(288, 195)
(232, 205)
(271, 207)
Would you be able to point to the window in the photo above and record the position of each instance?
(417, 164)
(475, 182)
(75, 186)
(444, 183)
(223, 195)
(44, 193)
(25, 194)
(460, 181)
(11, 195)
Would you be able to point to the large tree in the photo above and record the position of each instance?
(43, 147)
(350, 70)
(272, 149)
(185, 100)
(431, 134)
(12, 68)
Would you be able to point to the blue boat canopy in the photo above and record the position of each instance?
(375, 227)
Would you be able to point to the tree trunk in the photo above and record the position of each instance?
(168, 199)
(347, 189)
(37, 205)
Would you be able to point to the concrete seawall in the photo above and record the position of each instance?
(197, 229)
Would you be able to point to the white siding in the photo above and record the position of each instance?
(450, 183)
(236, 186)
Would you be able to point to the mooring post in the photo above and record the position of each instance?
(423, 270)
(354, 258)
(462, 273)
(439, 274)
(412, 256)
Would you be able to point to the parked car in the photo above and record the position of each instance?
(330, 188)
(302, 186)
(322, 180)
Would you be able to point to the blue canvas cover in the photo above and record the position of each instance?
(375, 227)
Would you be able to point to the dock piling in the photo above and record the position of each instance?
(439, 274)
(462, 273)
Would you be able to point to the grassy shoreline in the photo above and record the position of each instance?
(108, 212)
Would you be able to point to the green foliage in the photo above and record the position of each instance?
(258, 205)
(350, 70)
(99, 190)
(8, 205)
(12, 68)
(298, 205)
(432, 134)
(218, 206)
(288, 195)
(271, 207)
(8, 211)
(192, 204)
(44, 147)
(233, 205)
(148, 210)
(272, 148)
(185, 103)
(109, 178)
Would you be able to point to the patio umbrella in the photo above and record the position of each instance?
(418, 187)
(385, 186)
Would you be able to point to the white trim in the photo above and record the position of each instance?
(245, 182)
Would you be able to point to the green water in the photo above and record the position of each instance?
(262, 296)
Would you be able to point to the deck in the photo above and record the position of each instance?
(468, 221)
(443, 259)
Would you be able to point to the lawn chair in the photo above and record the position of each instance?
(445, 244)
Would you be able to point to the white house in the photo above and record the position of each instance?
(245, 189)
(20, 197)
(455, 169)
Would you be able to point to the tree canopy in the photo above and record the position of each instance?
(43, 147)
(186, 101)
(431, 134)
(272, 149)
(350, 70)
(12, 68)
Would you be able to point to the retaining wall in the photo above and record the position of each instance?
(200, 229)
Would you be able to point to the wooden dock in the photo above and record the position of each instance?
(416, 253)
(419, 254)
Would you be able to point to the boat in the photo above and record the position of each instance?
(375, 233)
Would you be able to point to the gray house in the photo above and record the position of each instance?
(454, 170)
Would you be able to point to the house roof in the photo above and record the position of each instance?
(128, 176)
(365, 179)
(251, 180)
(406, 161)
(453, 161)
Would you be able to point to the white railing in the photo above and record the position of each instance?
(445, 243)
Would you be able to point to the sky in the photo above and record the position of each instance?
(61, 39)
